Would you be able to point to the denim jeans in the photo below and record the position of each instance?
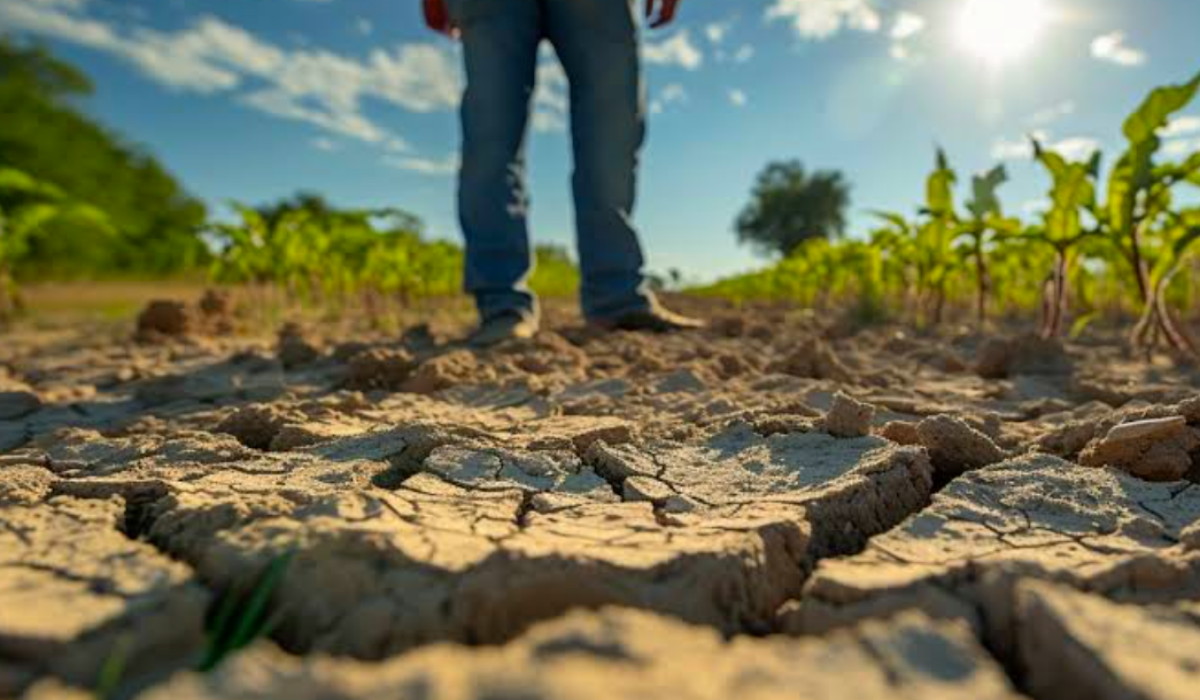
(597, 44)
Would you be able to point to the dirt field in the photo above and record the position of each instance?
(775, 507)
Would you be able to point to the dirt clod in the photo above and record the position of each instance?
(1155, 449)
(955, 447)
(848, 418)
(165, 318)
(379, 368)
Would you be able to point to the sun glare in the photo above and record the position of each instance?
(1000, 31)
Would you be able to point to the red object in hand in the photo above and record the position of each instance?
(437, 17)
(666, 12)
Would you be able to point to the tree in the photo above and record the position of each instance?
(28, 206)
(789, 206)
(47, 136)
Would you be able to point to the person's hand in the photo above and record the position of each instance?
(437, 17)
(666, 12)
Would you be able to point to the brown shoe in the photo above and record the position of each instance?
(655, 319)
(502, 328)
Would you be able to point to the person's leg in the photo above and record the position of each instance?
(500, 44)
(597, 42)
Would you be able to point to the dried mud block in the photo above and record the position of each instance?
(1031, 517)
(446, 371)
(545, 354)
(164, 319)
(850, 488)
(89, 465)
(291, 436)
(1075, 646)
(218, 382)
(631, 654)
(813, 359)
(502, 469)
(377, 572)
(12, 435)
(1028, 354)
(955, 447)
(848, 418)
(216, 304)
(23, 483)
(900, 432)
(404, 447)
(1156, 449)
(578, 432)
(257, 425)
(293, 348)
(17, 403)
(379, 369)
(73, 589)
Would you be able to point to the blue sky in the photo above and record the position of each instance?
(255, 99)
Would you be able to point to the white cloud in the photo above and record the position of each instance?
(1181, 126)
(737, 98)
(323, 144)
(821, 19)
(1036, 206)
(675, 51)
(671, 93)
(1111, 47)
(1073, 148)
(364, 26)
(717, 31)
(1181, 148)
(550, 101)
(1181, 136)
(1053, 113)
(1076, 148)
(743, 54)
(436, 167)
(906, 25)
(315, 86)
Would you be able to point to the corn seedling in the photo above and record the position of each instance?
(243, 615)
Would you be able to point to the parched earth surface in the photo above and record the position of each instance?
(773, 507)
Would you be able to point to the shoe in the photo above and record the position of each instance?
(655, 319)
(501, 328)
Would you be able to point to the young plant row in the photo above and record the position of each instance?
(373, 259)
(1113, 244)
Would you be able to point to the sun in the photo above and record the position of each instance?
(1001, 31)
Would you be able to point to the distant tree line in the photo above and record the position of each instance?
(154, 223)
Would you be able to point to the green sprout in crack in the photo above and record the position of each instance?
(113, 669)
(243, 614)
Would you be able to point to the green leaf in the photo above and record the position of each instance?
(1081, 324)
(939, 189)
(983, 187)
(1143, 125)
(19, 182)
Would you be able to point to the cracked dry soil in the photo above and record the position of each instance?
(772, 507)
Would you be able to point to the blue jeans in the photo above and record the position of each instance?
(597, 43)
